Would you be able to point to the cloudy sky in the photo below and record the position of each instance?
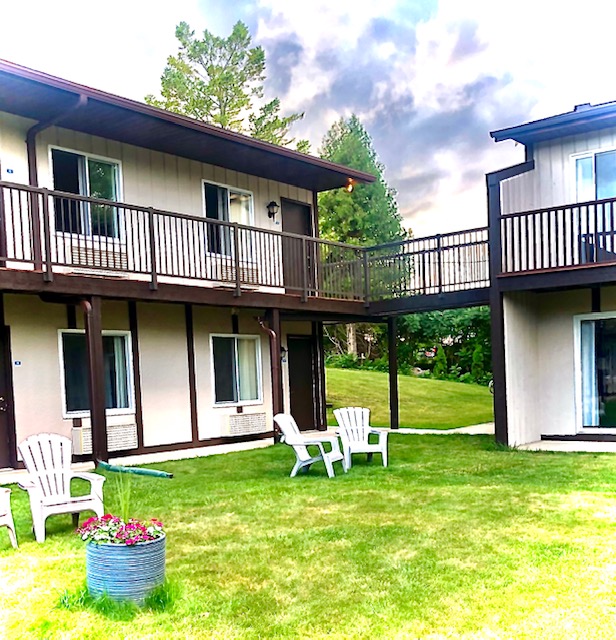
(428, 78)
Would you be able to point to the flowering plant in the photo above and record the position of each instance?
(113, 530)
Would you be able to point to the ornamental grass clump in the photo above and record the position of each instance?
(109, 529)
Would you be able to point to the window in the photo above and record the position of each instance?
(116, 355)
(86, 176)
(598, 372)
(228, 205)
(595, 176)
(237, 365)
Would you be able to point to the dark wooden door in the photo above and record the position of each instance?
(301, 380)
(7, 425)
(296, 218)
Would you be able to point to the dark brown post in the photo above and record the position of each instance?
(96, 377)
(272, 317)
(392, 338)
(319, 382)
(497, 320)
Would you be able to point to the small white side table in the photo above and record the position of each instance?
(6, 516)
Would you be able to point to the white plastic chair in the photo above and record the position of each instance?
(47, 457)
(292, 436)
(355, 431)
(6, 516)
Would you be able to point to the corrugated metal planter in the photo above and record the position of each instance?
(125, 572)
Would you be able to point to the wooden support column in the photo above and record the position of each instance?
(96, 376)
(319, 382)
(392, 339)
(272, 317)
(497, 312)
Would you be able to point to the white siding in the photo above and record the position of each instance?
(552, 182)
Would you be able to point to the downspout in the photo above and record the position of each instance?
(33, 175)
(276, 369)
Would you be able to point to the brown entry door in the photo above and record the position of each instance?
(296, 218)
(7, 427)
(301, 380)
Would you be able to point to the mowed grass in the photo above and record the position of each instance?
(424, 403)
(456, 539)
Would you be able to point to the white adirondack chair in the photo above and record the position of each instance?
(355, 431)
(292, 436)
(47, 457)
(6, 516)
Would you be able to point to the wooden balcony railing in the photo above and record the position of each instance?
(57, 232)
(559, 237)
(433, 265)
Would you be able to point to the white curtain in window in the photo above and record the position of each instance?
(247, 369)
(590, 396)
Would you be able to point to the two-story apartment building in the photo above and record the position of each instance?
(162, 285)
(553, 293)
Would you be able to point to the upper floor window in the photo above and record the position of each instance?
(228, 205)
(87, 176)
(595, 176)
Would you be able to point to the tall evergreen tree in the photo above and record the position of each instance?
(220, 81)
(369, 214)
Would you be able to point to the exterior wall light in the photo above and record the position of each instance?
(272, 209)
(350, 186)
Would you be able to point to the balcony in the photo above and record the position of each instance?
(559, 246)
(60, 234)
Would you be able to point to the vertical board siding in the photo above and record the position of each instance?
(159, 180)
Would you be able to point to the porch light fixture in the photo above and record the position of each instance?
(350, 186)
(272, 209)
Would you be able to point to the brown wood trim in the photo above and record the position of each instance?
(96, 379)
(430, 302)
(133, 322)
(548, 270)
(272, 317)
(581, 437)
(392, 351)
(10, 400)
(192, 376)
(564, 277)
(319, 374)
(17, 281)
(181, 446)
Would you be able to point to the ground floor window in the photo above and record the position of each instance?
(116, 355)
(598, 365)
(237, 363)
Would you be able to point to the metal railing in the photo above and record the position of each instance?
(422, 266)
(57, 232)
(559, 237)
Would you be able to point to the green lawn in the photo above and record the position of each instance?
(424, 403)
(456, 539)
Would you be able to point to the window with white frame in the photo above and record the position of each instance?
(116, 357)
(85, 175)
(226, 204)
(236, 361)
(597, 338)
(595, 176)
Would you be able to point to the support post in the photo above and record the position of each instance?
(392, 339)
(319, 376)
(497, 316)
(96, 376)
(272, 317)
